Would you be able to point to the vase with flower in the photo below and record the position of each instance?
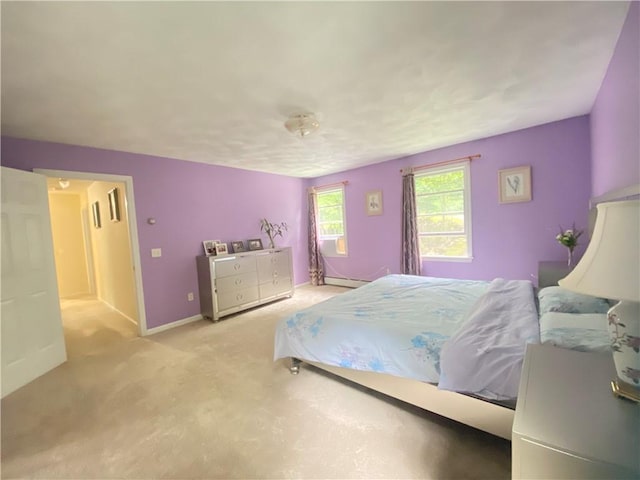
(569, 238)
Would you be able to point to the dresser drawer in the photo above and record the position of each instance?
(235, 282)
(275, 287)
(237, 297)
(234, 266)
(274, 265)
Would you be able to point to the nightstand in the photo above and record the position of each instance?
(550, 272)
(568, 424)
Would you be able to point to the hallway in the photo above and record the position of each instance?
(90, 326)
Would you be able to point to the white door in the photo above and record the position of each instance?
(31, 326)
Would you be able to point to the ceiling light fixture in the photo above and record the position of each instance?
(63, 182)
(302, 124)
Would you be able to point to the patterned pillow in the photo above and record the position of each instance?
(558, 299)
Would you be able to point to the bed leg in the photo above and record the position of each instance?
(295, 366)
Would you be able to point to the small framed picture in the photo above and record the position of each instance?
(114, 205)
(515, 184)
(95, 208)
(210, 247)
(238, 246)
(374, 202)
(255, 244)
(221, 249)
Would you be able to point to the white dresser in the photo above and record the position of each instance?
(568, 424)
(235, 282)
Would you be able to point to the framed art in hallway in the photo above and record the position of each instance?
(95, 208)
(374, 202)
(515, 184)
(114, 205)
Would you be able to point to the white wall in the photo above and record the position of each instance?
(69, 243)
(112, 252)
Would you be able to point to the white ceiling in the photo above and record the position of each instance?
(214, 82)
(76, 186)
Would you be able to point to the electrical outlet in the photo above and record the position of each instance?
(156, 252)
(190, 296)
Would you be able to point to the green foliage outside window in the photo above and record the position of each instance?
(440, 206)
(330, 213)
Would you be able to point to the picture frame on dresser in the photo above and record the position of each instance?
(210, 247)
(221, 248)
(255, 244)
(238, 246)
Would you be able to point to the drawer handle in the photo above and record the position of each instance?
(237, 266)
(275, 282)
(239, 296)
(238, 281)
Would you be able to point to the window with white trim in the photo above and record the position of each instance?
(443, 206)
(331, 221)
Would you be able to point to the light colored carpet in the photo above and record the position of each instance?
(205, 400)
(90, 326)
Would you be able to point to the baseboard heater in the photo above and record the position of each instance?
(344, 282)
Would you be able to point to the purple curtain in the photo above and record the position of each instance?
(411, 262)
(316, 274)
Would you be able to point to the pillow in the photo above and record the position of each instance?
(558, 299)
(585, 332)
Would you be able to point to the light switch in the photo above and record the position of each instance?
(156, 252)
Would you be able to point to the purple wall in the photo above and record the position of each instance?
(615, 117)
(508, 240)
(191, 202)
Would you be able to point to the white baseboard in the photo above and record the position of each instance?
(169, 326)
(119, 311)
(344, 282)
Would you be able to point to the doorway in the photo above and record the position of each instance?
(97, 258)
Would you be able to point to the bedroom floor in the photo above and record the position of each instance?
(206, 400)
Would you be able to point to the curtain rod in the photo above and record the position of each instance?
(344, 182)
(445, 162)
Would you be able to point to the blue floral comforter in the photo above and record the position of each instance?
(396, 325)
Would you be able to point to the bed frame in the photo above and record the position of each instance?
(472, 411)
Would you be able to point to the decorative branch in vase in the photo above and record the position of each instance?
(273, 230)
(569, 238)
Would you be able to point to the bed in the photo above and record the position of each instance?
(420, 339)
(452, 347)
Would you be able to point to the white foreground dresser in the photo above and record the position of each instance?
(568, 424)
(235, 282)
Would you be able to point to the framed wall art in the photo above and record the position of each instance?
(515, 184)
(95, 208)
(374, 202)
(114, 205)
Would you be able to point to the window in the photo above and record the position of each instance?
(444, 212)
(332, 227)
